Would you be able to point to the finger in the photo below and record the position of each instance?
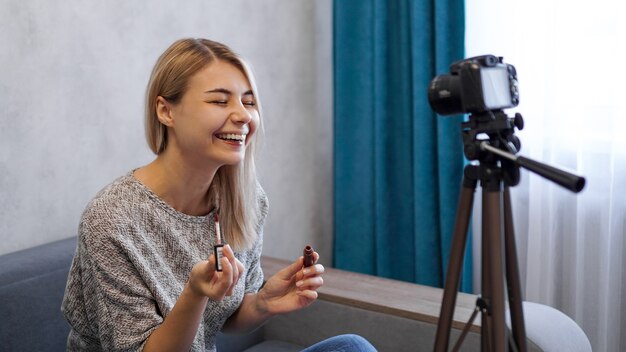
(236, 279)
(228, 253)
(312, 283)
(210, 268)
(225, 278)
(288, 272)
(316, 269)
(310, 295)
(237, 268)
(241, 269)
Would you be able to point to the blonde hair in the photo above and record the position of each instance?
(234, 189)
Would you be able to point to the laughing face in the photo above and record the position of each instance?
(215, 118)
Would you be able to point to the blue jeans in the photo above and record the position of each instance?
(342, 343)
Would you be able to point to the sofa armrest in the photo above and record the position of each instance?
(393, 315)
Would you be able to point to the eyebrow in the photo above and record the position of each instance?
(226, 91)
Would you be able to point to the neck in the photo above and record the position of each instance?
(182, 184)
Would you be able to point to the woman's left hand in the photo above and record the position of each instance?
(293, 288)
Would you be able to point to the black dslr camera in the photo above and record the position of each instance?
(475, 85)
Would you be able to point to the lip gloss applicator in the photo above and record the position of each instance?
(218, 248)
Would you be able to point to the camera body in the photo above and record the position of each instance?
(475, 85)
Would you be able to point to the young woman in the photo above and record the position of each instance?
(144, 274)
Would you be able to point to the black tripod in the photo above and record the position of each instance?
(497, 170)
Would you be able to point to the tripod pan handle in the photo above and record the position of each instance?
(566, 179)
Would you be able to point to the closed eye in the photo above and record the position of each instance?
(248, 99)
(218, 102)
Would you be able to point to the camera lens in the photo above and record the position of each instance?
(444, 95)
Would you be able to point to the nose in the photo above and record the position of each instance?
(241, 115)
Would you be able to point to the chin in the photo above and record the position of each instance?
(232, 161)
(224, 158)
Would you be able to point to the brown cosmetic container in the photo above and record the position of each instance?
(308, 256)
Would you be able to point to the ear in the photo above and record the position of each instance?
(164, 111)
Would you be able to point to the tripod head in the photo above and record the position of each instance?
(482, 86)
(496, 152)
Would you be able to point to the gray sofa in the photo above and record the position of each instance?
(392, 315)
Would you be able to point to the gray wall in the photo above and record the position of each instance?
(72, 82)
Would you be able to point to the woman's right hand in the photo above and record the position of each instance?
(179, 328)
(205, 281)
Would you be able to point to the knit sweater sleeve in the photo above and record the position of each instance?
(115, 295)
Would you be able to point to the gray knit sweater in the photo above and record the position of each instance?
(133, 258)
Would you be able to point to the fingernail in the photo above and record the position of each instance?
(299, 283)
(306, 271)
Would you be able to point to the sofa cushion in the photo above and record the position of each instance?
(31, 262)
(32, 284)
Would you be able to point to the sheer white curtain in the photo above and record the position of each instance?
(571, 67)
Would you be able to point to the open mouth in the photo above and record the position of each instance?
(232, 137)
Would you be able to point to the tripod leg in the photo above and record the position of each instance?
(512, 276)
(485, 289)
(492, 233)
(451, 287)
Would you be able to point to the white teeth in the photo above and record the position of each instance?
(232, 136)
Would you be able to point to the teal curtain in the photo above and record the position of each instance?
(397, 166)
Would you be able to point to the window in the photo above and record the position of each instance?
(569, 58)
